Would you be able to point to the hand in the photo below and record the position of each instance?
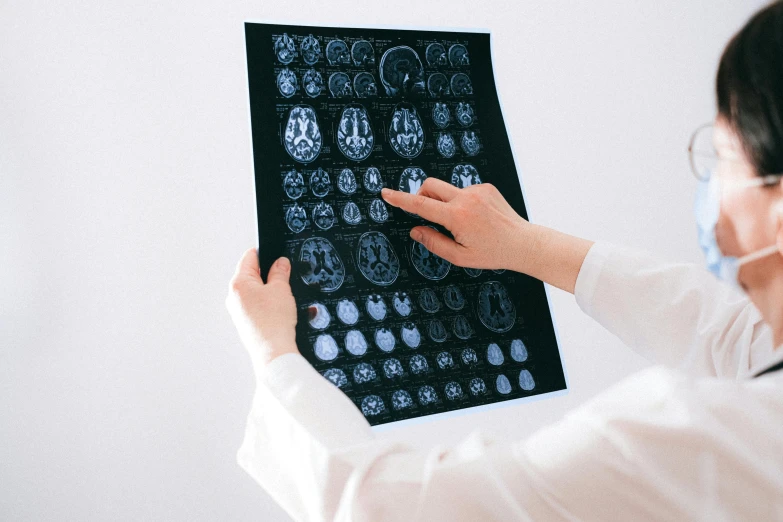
(264, 313)
(487, 232)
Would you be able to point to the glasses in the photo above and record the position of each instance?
(705, 161)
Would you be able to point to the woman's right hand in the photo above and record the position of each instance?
(487, 232)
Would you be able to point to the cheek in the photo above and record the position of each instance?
(743, 225)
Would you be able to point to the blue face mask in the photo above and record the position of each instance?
(707, 210)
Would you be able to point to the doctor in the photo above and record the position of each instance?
(699, 436)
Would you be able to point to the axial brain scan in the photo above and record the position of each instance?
(337, 115)
(354, 133)
(302, 135)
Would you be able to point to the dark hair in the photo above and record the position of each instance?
(749, 88)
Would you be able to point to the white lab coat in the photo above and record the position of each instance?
(694, 438)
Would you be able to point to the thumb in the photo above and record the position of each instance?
(279, 271)
(438, 244)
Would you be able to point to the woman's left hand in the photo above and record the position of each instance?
(264, 313)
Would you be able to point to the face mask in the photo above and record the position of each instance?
(707, 210)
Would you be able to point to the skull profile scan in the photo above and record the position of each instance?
(401, 71)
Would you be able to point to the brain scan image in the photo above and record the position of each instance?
(372, 405)
(427, 395)
(392, 368)
(347, 312)
(453, 391)
(518, 350)
(362, 53)
(401, 71)
(378, 211)
(363, 373)
(418, 365)
(351, 214)
(444, 360)
(410, 335)
(384, 339)
(337, 53)
(296, 218)
(310, 49)
(494, 354)
(323, 216)
(376, 259)
(354, 134)
(526, 381)
(437, 331)
(406, 134)
(402, 304)
(502, 384)
(436, 54)
(410, 181)
(322, 318)
(470, 143)
(302, 136)
(477, 386)
(401, 400)
(428, 301)
(373, 182)
(472, 272)
(458, 55)
(325, 347)
(445, 144)
(438, 85)
(355, 343)
(320, 182)
(441, 115)
(364, 85)
(286, 82)
(453, 297)
(494, 307)
(465, 114)
(376, 307)
(498, 270)
(469, 357)
(313, 83)
(426, 263)
(340, 85)
(461, 327)
(320, 264)
(346, 182)
(293, 184)
(336, 376)
(460, 85)
(285, 49)
(464, 175)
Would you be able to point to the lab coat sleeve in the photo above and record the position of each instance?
(654, 447)
(676, 314)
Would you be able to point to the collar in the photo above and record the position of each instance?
(772, 366)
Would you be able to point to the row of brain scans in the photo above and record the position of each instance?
(372, 405)
(363, 84)
(410, 180)
(362, 52)
(355, 138)
(401, 70)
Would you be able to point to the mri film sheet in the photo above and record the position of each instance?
(336, 115)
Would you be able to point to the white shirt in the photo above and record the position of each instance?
(694, 438)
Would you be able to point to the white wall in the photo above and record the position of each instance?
(126, 198)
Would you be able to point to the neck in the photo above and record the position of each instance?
(766, 292)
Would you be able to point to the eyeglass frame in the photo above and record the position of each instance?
(766, 180)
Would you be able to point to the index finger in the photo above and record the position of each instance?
(248, 264)
(426, 207)
(438, 189)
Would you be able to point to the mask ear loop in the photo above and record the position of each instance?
(769, 180)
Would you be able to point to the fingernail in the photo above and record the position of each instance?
(284, 263)
(416, 234)
(385, 191)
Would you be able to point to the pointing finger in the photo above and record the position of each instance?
(428, 208)
(438, 189)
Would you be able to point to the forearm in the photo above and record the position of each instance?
(550, 255)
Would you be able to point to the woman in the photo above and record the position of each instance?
(697, 437)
